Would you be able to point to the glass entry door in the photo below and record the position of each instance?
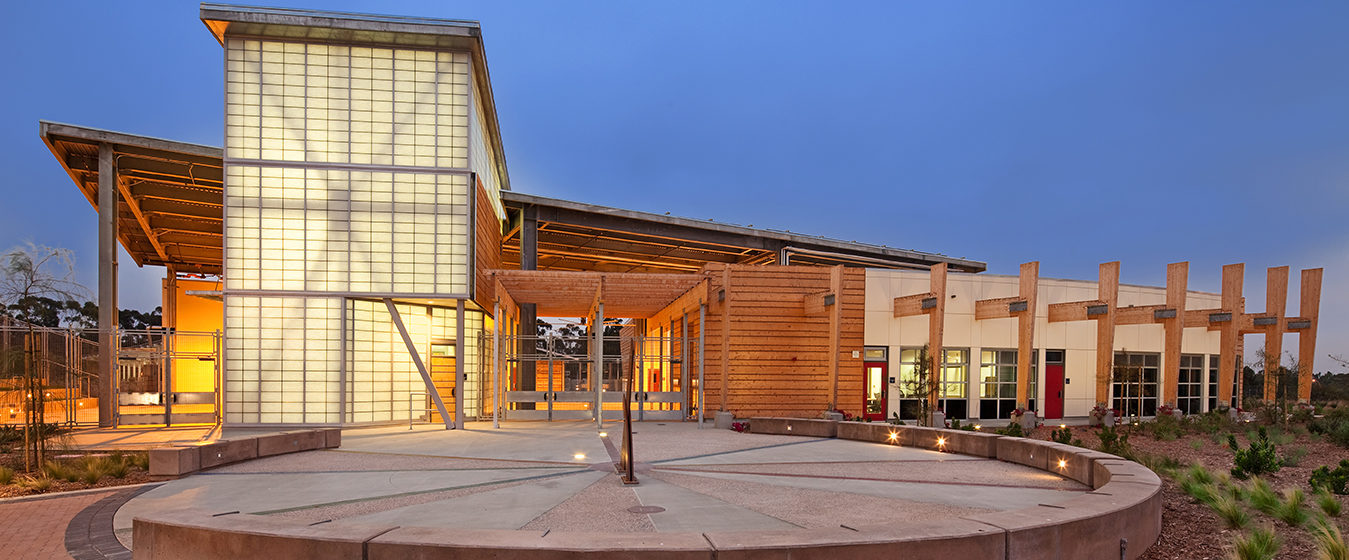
(874, 399)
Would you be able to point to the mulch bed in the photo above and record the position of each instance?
(14, 461)
(1192, 531)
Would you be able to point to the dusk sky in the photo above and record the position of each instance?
(1072, 133)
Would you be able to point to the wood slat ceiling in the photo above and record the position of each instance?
(171, 208)
(571, 294)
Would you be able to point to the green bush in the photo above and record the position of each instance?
(1114, 442)
(1332, 480)
(1259, 544)
(1328, 503)
(1212, 422)
(1292, 510)
(1164, 428)
(1330, 543)
(1293, 457)
(1333, 426)
(1012, 430)
(1262, 497)
(6, 475)
(1198, 473)
(1202, 493)
(1259, 458)
(1229, 509)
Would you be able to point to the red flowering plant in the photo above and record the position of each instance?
(1166, 410)
(740, 426)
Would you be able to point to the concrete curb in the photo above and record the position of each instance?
(1120, 518)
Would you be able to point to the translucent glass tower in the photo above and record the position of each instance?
(353, 146)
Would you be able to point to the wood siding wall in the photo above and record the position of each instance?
(486, 247)
(778, 355)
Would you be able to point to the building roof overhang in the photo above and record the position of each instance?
(171, 208)
(170, 200)
(580, 236)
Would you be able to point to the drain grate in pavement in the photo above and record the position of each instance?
(646, 509)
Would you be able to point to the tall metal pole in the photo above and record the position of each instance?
(598, 384)
(460, 377)
(107, 285)
(496, 362)
(702, 330)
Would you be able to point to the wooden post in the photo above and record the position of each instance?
(936, 323)
(835, 317)
(1276, 301)
(1309, 310)
(1177, 278)
(1107, 291)
(725, 337)
(1229, 334)
(1025, 339)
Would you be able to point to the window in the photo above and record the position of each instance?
(1190, 384)
(955, 376)
(1213, 382)
(1134, 384)
(998, 378)
(910, 399)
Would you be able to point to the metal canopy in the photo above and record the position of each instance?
(578, 236)
(170, 210)
(170, 193)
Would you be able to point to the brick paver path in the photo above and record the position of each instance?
(36, 529)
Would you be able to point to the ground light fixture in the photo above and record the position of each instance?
(604, 434)
(1063, 464)
(1062, 426)
(894, 437)
(978, 427)
(941, 443)
(579, 456)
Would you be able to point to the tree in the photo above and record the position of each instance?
(920, 386)
(30, 274)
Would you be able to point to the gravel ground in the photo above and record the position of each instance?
(659, 442)
(601, 507)
(813, 508)
(1193, 531)
(968, 472)
(330, 460)
(341, 511)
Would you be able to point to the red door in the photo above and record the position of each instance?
(1053, 391)
(874, 386)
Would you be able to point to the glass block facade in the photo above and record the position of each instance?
(347, 179)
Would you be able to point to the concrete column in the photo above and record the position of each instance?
(107, 285)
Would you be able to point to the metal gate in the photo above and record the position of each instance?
(573, 377)
(167, 377)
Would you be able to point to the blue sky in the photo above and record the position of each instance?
(1070, 133)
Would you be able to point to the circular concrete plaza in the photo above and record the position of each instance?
(560, 477)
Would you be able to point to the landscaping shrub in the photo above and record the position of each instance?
(1198, 473)
(1294, 456)
(1064, 435)
(1259, 458)
(1259, 544)
(1332, 480)
(1012, 430)
(1230, 511)
(6, 475)
(1330, 543)
(1262, 497)
(1292, 510)
(1328, 503)
(38, 483)
(740, 426)
(1333, 426)
(1202, 493)
(1212, 422)
(1163, 428)
(1114, 442)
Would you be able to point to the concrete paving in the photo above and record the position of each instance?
(559, 476)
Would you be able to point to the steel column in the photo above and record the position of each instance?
(417, 361)
(107, 285)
